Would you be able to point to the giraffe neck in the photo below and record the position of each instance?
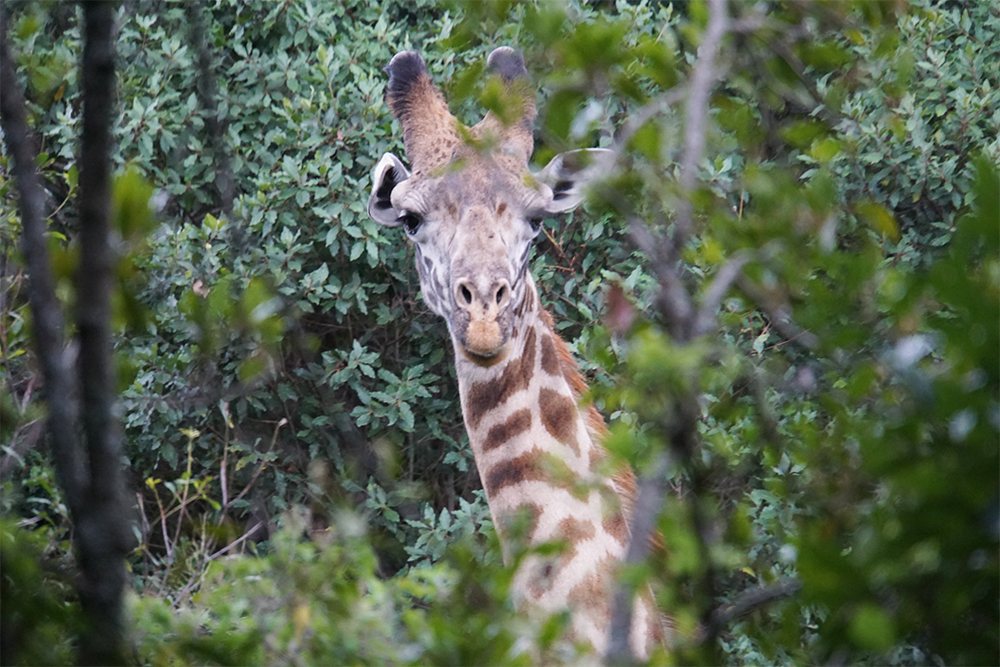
(542, 467)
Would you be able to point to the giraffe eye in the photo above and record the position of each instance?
(410, 221)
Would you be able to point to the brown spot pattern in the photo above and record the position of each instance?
(559, 417)
(524, 468)
(543, 578)
(523, 521)
(616, 526)
(550, 358)
(598, 455)
(485, 397)
(592, 592)
(575, 531)
(516, 424)
(527, 303)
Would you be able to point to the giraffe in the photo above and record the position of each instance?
(472, 210)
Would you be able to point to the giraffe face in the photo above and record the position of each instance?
(473, 229)
(471, 212)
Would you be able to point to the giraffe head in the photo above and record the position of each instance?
(470, 204)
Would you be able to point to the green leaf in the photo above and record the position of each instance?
(879, 218)
(804, 133)
(130, 205)
(872, 628)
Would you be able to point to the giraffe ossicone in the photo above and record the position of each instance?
(472, 209)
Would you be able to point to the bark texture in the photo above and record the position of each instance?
(83, 429)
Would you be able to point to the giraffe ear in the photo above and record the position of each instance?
(569, 173)
(389, 172)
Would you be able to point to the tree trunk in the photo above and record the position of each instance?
(102, 530)
(92, 481)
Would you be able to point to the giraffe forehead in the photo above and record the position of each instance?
(478, 184)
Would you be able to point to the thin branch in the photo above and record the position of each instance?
(696, 114)
(649, 501)
(677, 306)
(200, 572)
(207, 98)
(747, 602)
(46, 312)
(238, 541)
(778, 315)
(648, 111)
(724, 279)
(702, 77)
(673, 301)
(260, 467)
(808, 82)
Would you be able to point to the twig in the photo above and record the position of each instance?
(46, 312)
(207, 94)
(778, 315)
(208, 559)
(555, 244)
(747, 602)
(724, 279)
(649, 500)
(223, 476)
(673, 301)
(142, 514)
(187, 486)
(782, 50)
(27, 394)
(676, 304)
(696, 114)
(163, 524)
(260, 466)
(657, 106)
(237, 542)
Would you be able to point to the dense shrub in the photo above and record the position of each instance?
(281, 379)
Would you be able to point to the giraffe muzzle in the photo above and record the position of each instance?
(483, 320)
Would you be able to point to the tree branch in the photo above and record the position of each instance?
(673, 301)
(778, 315)
(724, 279)
(747, 602)
(696, 115)
(207, 98)
(657, 106)
(102, 529)
(649, 500)
(93, 493)
(46, 312)
(676, 304)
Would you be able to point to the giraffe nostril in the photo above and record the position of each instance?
(500, 293)
(467, 295)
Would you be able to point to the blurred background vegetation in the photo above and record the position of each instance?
(302, 484)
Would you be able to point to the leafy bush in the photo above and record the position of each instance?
(273, 354)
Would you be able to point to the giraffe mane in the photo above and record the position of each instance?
(623, 477)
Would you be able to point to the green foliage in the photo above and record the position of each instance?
(38, 613)
(322, 601)
(907, 140)
(914, 511)
(274, 355)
